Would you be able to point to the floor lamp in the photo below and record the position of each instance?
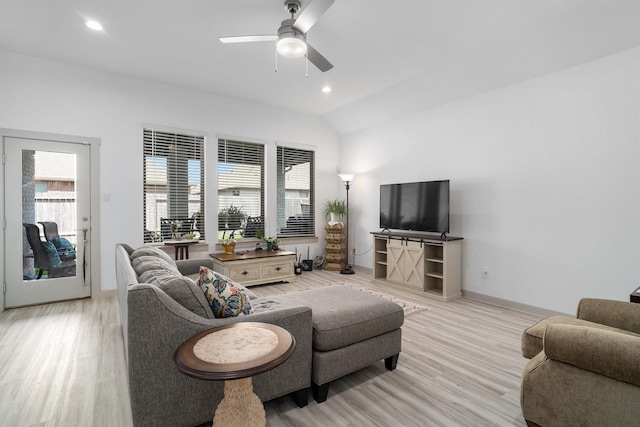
(347, 177)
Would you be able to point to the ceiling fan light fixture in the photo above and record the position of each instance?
(292, 46)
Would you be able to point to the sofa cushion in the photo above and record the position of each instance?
(186, 292)
(148, 263)
(343, 315)
(225, 297)
(152, 251)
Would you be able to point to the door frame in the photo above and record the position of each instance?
(94, 243)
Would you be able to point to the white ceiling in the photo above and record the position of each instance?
(390, 58)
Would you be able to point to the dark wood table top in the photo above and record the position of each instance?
(189, 363)
(222, 256)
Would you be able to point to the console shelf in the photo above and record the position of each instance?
(428, 263)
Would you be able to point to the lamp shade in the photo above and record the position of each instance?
(346, 177)
(292, 47)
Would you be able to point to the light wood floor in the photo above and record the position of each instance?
(63, 365)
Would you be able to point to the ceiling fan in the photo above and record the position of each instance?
(292, 34)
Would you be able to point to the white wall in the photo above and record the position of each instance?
(545, 182)
(45, 96)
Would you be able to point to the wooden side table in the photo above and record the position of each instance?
(235, 353)
(635, 296)
(181, 246)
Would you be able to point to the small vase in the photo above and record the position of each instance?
(229, 247)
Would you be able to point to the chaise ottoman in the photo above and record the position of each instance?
(351, 330)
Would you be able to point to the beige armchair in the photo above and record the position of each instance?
(587, 369)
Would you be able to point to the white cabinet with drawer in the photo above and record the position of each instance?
(256, 267)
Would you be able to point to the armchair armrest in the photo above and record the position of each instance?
(617, 314)
(192, 266)
(612, 354)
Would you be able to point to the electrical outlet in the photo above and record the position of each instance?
(485, 272)
(353, 251)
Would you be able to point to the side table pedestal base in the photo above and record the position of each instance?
(240, 407)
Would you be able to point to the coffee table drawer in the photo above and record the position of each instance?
(243, 273)
(277, 270)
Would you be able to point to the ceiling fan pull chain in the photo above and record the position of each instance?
(276, 59)
(306, 65)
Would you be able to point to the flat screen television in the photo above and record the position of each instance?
(415, 206)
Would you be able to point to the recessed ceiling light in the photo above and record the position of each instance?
(94, 25)
(326, 89)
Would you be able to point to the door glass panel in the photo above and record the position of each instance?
(49, 214)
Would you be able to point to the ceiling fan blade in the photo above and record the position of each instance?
(310, 15)
(247, 39)
(317, 59)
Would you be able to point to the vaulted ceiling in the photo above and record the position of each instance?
(390, 58)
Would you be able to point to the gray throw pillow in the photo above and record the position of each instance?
(188, 294)
(147, 262)
(151, 251)
(156, 277)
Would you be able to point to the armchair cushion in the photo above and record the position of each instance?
(604, 352)
(616, 314)
(62, 244)
(52, 253)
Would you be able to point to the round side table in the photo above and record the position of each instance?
(235, 353)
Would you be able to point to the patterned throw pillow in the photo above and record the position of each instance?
(224, 296)
(52, 252)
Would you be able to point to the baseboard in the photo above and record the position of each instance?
(108, 293)
(509, 304)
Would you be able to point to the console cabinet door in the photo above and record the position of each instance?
(395, 261)
(414, 265)
(405, 263)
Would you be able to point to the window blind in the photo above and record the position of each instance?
(296, 192)
(173, 184)
(241, 189)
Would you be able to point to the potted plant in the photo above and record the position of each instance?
(335, 209)
(272, 243)
(228, 245)
(231, 218)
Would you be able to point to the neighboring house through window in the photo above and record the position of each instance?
(173, 184)
(296, 192)
(241, 189)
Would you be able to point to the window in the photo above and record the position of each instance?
(296, 192)
(241, 189)
(173, 185)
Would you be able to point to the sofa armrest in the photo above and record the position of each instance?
(192, 266)
(612, 354)
(617, 314)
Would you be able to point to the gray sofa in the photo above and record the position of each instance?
(155, 324)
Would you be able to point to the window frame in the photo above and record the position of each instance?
(250, 154)
(186, 147)
(303, 226)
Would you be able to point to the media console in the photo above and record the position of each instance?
(432, 264)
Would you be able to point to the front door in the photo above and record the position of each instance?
(47, 211)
